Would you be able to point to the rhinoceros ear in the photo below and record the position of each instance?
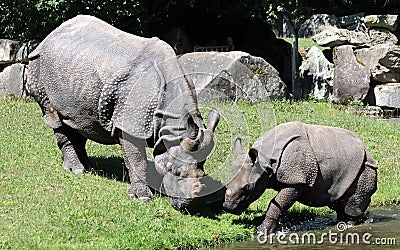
(238, 146)
(256, 172)
(192, 129)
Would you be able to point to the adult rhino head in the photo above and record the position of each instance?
(181, 158)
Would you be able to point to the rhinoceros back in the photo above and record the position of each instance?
(340, 154)
(85, 59)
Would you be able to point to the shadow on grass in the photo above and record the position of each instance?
(208, 205)
(109, 167)
(114, 168)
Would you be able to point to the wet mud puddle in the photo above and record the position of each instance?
(380, 231)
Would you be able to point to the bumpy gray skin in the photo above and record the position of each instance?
(93, 81)
(315, 165)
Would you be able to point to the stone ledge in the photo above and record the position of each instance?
(388, 95)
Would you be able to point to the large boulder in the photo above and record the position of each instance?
(383, 60)
(25, 50)
(232, 76)
(316, 74)
(316, 24)
(337, 37)
(13, 73)
(12, 80)
(390, 22)
(392, 59)
(381, 36)
(351, 78)
(388, 95)
(8, 51)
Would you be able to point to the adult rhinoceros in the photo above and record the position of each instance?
(93, 81)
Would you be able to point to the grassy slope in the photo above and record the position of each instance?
(41, 206)
(304, 43)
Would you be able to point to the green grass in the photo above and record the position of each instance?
(43, 207)
(305, 43)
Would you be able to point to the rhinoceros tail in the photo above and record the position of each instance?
(369, 161)
(36, 90)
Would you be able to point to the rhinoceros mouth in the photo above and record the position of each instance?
(233, 207)
(181, 204)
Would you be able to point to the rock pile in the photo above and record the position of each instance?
(13, 71)
(365, 65)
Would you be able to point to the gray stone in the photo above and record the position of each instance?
(388, 95)
(351, 78)
(371, 56)
(337, 37)
(384, 75)
(369, 111)
(381, 36)
(391, 60)
(12, 80)
(316, 74)
(395, 120)
(232, 76)
(316, 24)
(382, 60)
(25, 50)
(8, 51)
(390, 22)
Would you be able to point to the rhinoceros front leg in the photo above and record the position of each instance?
(136, 163)
(72, 145)
(279, 205)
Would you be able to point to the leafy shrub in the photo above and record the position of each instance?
(33, 19)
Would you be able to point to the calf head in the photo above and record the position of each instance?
(183, 160)
(248, 182)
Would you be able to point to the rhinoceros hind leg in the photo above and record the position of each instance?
(136, 162)
(72, 145)
(352, 206)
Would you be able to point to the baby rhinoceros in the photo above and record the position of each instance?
(315, 165)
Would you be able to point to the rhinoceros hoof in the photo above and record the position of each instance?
(144, 199)
(76, 169)
(140, 191)
(267, 227)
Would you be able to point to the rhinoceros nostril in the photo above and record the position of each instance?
(228, 192)
(174, 152)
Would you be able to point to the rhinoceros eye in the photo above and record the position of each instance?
(245, 189)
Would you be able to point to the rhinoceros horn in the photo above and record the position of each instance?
(213, 119)
(200, 138)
